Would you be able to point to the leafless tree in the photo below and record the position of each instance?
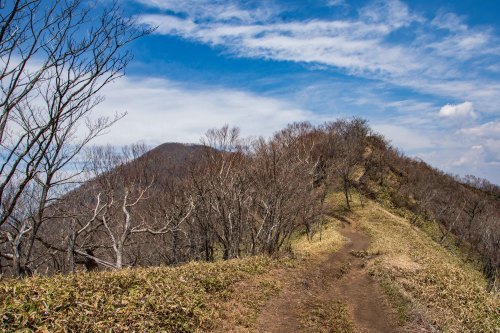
(14, 233)
(55, 58)
(283, 183)
(303, 141)
(464, 209)
(122, 185)
(223, 187)
(345, 146)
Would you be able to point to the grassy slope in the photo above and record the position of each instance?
(421, 278)
(189, 298)
(196, 297)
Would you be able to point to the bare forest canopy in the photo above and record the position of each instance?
(233, 197)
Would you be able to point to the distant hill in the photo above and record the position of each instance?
(175, 155)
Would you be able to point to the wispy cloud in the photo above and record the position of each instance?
(435, 62)
(450, 22)
(160, 111)
(393, 13)
(335, 3)
(488, 130)
(219, 11)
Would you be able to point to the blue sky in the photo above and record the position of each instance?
(425, 74)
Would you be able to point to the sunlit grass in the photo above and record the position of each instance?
(188, 298)
(451, 293)
(326, 240)
(326, 317)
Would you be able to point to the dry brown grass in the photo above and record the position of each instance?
(327, 241)
(240, 311)
(451, 293)
(328, 317)
(196, 297)
(183, 299)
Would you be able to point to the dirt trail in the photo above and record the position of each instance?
(338, 277)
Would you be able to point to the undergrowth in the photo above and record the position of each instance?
(326, 240)
(395, 204)
(196, 297)
(188, 298)
(327, 317)
(450, 292)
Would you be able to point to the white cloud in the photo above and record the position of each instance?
(472, 150)
(335, 3)
(405, 137)
(487, 130)
(471, 157)
(222, 11)
(457, 111)
(481, 157)
(392, 12)
(162, 111)
(440, 56)
(408, 106)
(464, 46)
(449, 21)
(494, 68)
(169, 24)
(356, 46)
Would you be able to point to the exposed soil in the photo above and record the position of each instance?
(334, 277)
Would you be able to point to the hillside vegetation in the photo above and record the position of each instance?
(233, 234)
(233, 197)
(186, 238)
(426, 285)
(163, 299)
(425, 281)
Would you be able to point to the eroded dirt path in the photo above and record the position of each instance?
(335, 277)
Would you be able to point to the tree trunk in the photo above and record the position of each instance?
(175, 245)
(16, 263)
(346, 193)
(71, 252)
(119, 256)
